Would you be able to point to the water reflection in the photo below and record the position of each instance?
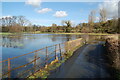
(19, 41)
(64, 38)
(16, 45)
(12, 41)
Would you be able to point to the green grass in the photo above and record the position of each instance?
(38, 32)
(5, 33)
(43, 73)
(86, 33)
(70, 53)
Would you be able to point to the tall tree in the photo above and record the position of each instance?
(91, 20)
(67, 25)
(53, 27)
(103, 15)
(92, 17)
(14, 23)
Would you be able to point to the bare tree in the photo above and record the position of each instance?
(92, 16)
(5, 21)
(91, 19)
(103, 15)
(67, 23)
(1, 22)
(22, 20)
(14, 23)
(53, 27)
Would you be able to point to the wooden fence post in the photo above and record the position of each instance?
(9, 67)
(72, 45)
(35, 58)
(46, 54)
(60, 52)
(65, 47)
(55, 51)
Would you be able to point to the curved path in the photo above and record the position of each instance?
(87, 62)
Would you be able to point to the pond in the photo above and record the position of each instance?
(15, 45)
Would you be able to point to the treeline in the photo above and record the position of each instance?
(21, 24)
(13, 23)
(110, 26)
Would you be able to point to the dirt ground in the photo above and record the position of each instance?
(113, 56)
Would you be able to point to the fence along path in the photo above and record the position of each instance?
(34, 65)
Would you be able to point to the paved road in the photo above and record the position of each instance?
(87, 62)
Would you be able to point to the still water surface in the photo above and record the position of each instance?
(15, 45)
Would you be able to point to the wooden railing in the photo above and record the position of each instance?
(46, 54)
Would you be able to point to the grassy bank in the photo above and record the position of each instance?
(113, 56)
(38, 32)
(86, 33)
(5, 33)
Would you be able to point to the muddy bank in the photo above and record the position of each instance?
(113, 56)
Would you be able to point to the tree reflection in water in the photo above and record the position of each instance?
(12, 41)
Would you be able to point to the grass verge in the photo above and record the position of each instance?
(38, 32)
